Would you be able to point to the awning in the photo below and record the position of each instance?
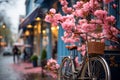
(37, 12)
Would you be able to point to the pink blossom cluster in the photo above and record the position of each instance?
(53, 18)
(52, 64)
(82, 49)
(84, 16)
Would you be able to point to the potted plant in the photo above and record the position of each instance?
(43, 58)
(34, 59)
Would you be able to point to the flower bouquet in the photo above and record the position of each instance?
(52, 65)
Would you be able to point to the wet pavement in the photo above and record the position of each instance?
(8, 72)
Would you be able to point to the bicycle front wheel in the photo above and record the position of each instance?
(65, 71)
(98, 69)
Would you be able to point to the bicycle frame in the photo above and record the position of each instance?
(87, 58)
(77, 73)
(72, 57)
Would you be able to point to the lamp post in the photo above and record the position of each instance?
(4, 32)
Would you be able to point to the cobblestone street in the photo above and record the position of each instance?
(10, 71)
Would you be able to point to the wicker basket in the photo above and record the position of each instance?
(96, 48)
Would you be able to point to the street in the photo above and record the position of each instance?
(7, 72)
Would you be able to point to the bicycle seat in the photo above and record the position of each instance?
(71, 47)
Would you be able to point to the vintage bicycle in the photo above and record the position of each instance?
(93, 65)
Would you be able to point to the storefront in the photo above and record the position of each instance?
(31, 30)
(39, 34)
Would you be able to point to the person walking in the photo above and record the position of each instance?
(25, 54)
(15, 54)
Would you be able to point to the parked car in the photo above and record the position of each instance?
(7, 51)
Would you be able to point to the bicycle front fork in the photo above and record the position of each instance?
(74, 74)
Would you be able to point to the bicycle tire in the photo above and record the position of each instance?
(65, 70)
(99, 68)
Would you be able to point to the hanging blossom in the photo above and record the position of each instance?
(84, 16)
(78, 5)
(67, 9)
(63, 2)
(100, 14)
(110, 20)
(69, 38)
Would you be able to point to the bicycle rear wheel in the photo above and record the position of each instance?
(99, 69)
(65, 71)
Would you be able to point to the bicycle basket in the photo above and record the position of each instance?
(96, 47)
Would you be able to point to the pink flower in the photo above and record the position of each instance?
(83, 53)
(94, 4)
(109, 20)
(56, 19)
(82, 48)
(63, 2)
(86, 6)
(48, 18)
(68, 25)
(114, 31)
(78, 4)
(57, 66)
(88, 27)
(78, 13)
(96, 21)
(114, 6)
(67, 9)
(77, 61)
(57, 16)
(81, 21)
(101, 14)
(52, 10)
(68, 40)
(103, 40)
(52, 64)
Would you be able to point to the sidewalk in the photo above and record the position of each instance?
(28, 69)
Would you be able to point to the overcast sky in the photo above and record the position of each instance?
(10, 11)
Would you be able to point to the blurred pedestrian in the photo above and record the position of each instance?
(25, 54)
(54, 50)
(16, 53)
